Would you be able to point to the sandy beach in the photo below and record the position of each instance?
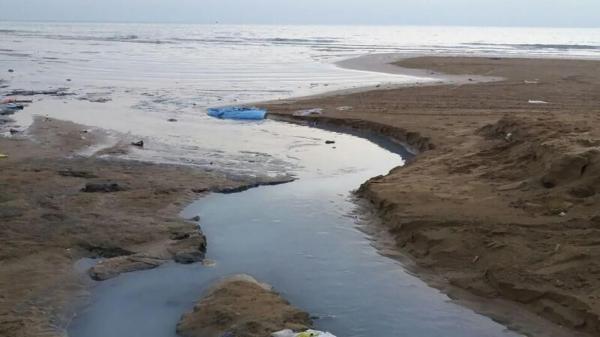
(501, 201)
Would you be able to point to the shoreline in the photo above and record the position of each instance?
(417, 139)
(421, 242)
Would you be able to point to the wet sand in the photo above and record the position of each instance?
(501, 201)
(241, 306)
(47, 223)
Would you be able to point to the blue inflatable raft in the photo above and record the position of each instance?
(241, 113)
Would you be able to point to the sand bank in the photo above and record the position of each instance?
(241, 306)
(51, 216)
(502, 200)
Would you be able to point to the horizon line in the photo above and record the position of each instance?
(289, 24)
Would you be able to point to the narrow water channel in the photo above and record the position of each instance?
(303, 239)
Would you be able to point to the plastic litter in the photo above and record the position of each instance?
(10, 108)
(531, 101)
(307, 333)
(2, 156)
(7, 100)
(308, 112)
(240, 113)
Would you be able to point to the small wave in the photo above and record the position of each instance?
(131, 38)
(298, 41)
(537, 46)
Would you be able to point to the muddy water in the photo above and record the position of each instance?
(302, 238)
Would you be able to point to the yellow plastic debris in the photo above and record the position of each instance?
(2, 155)
(308, 334)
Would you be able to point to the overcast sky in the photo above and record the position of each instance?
(561, 13)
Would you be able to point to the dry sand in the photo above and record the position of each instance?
(503, 200)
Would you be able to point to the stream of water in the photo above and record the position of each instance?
(154, 82)
(304, 239)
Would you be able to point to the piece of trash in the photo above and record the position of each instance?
(7, 100)
(531, 82)
(343, 108)
(10, 108)
(209, 263)
(562, 214)
(307, 333)
(11, 70)
(475, 259)
(171, 120)
(531, 101)
(330, 142)
(308, 112)
(138, 144)
(14, 131)
(240, 113)
(2, 156)
(508, 137)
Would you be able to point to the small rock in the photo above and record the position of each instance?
(179, 236)
(195, 219)
(77, 174)
(102, 188)
(138, 143)
(14, 131)
(11, 70)
(68, 80)
(113, 267)
(188, 257)
(329, 142)
(172, 120)
(583, 191)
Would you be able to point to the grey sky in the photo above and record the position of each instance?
(562, 13)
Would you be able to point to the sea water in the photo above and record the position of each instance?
(147, 74)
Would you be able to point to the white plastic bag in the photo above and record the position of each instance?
(307, 333)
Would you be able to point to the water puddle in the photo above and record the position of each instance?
(303, 239)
